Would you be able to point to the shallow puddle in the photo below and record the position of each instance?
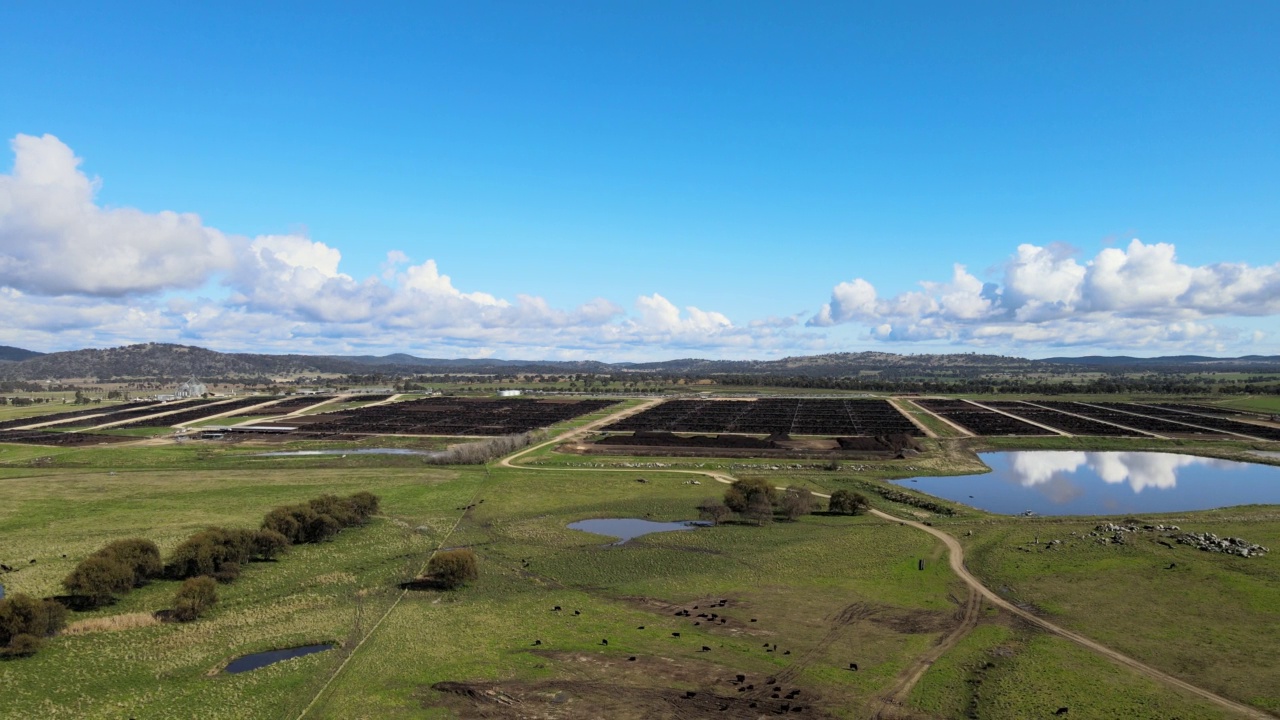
(627, 528)
(263, 659)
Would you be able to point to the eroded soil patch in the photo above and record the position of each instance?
(601, 685)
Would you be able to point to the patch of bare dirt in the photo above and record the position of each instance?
(914, 622)
(600, 685)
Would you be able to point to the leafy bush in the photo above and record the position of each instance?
(848, 502)
(209, 551)
(268, 544)
(115, 569)
(227, 573)
(797, 501)
(194, 598)
(98, 579)
(23, 645)
(453, 568)
(139, 555)
(24, 620)
(365, 503)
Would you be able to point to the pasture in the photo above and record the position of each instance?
(796, 604)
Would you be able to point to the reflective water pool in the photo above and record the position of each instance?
(360, 451)
(263, 659)
(1051, 482)
(627, 528)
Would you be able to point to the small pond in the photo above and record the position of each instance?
(627, 528)
(1, 592)
(263, 659)
(1052, 482)
(361, 451)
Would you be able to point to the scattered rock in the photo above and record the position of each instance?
(1209, 542)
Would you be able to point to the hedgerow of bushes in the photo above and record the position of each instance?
(219, 552)
(212, 555)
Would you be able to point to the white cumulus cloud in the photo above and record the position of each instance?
(1135, 297)
(55, 239)
(76, 273)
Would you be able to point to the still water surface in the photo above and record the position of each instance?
(360, 451)
(627, 528)
(263, 659)
(1051, 482)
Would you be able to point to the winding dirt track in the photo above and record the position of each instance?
(955, 552)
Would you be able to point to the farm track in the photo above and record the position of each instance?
(893, 701)
(955, 552)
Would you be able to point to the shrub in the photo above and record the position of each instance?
(365, 504)
(848, 502)
(268, 544)
(322, 527)
(341, 510)
(797, 501)
(194, 598)
(115, 569)
(742, 493)
(208, 551)
(98, 579)
(284, 521)
(22, 614)
(139, 555)
(23, 645)
(714, 511)
(227, 573)
(453, 568)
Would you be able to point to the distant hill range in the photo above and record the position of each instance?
(14, 354)
(158, 360)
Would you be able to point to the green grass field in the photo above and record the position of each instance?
(826, 590)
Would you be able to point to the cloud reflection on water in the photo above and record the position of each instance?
(1141, 470)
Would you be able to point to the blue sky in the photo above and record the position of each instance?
(642, 180)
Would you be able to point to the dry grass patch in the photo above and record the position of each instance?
(112, 623)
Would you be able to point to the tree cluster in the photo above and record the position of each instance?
(114, 570)
(25, 621)
(847, 502)
(756, 500)
(320, 518)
